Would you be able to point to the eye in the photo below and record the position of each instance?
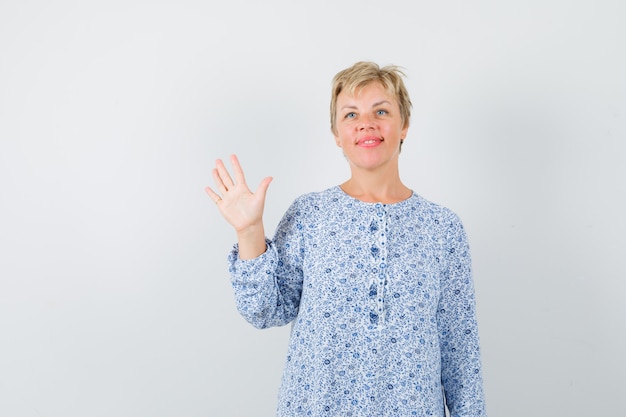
(381, 112)
(350, 115)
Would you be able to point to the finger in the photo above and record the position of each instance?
(226, 180)
(218, 181)
(212, 194)
(237, 170)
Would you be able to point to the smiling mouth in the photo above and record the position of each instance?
(370, 141)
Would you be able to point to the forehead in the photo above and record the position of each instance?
(372, 91)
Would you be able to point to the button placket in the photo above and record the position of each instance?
(381, 261)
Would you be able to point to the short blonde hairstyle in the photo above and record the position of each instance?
(363, 73)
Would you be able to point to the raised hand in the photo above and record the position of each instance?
(242, 208)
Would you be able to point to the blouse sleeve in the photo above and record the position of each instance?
(268, 288)
(461, 372)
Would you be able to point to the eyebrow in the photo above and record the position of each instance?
(378, 103)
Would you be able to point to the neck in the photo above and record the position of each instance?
(376, 187)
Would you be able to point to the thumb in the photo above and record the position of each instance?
(261, 191)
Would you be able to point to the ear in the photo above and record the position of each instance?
(337, 141)
(404, 132)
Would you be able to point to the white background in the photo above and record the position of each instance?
(114, 293)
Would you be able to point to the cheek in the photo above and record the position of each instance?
(395, 129)
(342, 135)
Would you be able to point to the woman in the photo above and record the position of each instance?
(376, 279)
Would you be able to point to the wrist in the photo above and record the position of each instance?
(251, 231)
(251, 242)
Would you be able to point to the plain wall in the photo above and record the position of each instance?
(114, 292)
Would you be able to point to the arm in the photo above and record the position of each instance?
(265, 275)
(268, 288)
(461, 373)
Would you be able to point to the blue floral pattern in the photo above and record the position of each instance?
(382, 303)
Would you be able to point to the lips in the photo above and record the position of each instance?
(369, 141)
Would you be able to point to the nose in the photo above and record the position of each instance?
(366, 122)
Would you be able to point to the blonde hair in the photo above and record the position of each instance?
(361, 74)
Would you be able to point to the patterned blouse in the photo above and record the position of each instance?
(382, 303)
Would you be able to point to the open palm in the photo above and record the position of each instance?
(240, 207)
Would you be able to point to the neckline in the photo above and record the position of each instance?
(347, 196)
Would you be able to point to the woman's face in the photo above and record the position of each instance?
(369, 127)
